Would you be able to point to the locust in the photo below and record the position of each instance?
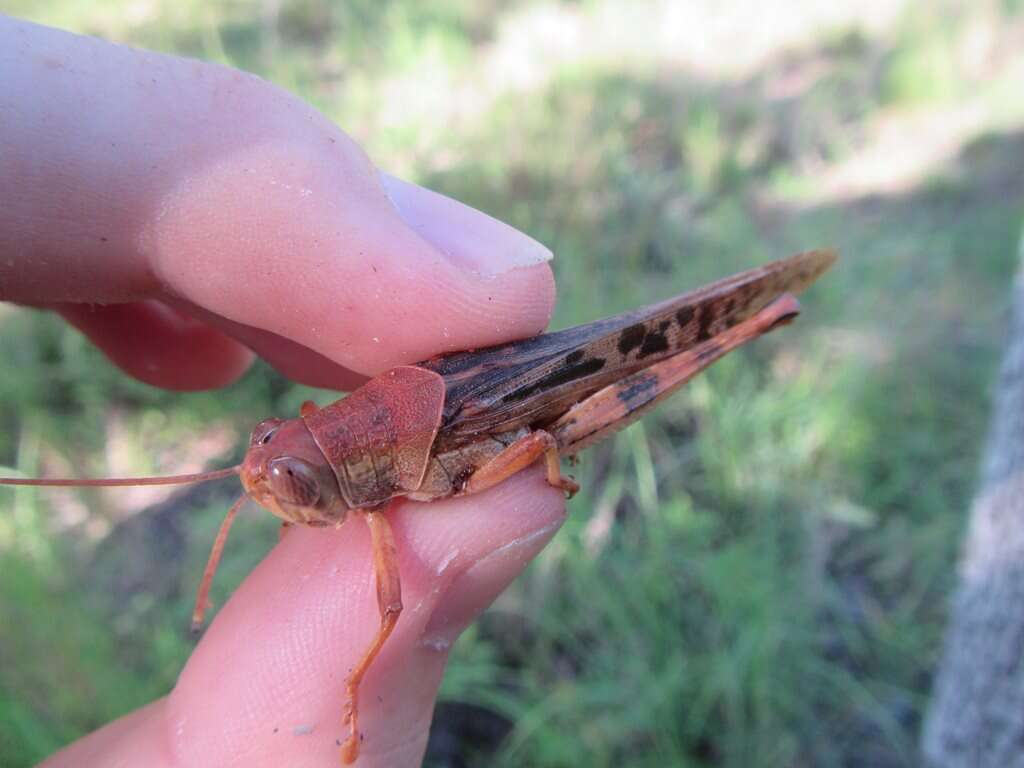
(463, 422)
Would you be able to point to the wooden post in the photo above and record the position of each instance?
(976, 717)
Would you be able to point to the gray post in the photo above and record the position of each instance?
(976, 717)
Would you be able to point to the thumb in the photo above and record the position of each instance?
(266, 685)
(369, 276)
(279, 222)
(241, 206)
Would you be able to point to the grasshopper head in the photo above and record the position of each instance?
(285, 471)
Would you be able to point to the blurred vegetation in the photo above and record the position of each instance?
(755, 576)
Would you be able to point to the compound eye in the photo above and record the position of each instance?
(293, 481)
(264, 432)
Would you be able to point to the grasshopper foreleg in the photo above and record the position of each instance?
(203, 595)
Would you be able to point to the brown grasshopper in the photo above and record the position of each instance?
(463, 422)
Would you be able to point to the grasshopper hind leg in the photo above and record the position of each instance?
(620, 404)
(623, 402)
(517, 457)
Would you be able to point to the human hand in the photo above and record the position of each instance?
(181, 214)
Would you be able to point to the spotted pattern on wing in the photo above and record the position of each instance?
(532, 382)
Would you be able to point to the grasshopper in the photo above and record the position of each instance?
(462, 422)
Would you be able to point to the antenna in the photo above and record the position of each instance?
(64, 482)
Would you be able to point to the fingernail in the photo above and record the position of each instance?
(471, 239)
(478, 586)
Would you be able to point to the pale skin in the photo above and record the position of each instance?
(185, 216)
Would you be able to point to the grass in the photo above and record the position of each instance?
(757, 575)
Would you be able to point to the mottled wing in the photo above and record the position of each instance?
(534, 381)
